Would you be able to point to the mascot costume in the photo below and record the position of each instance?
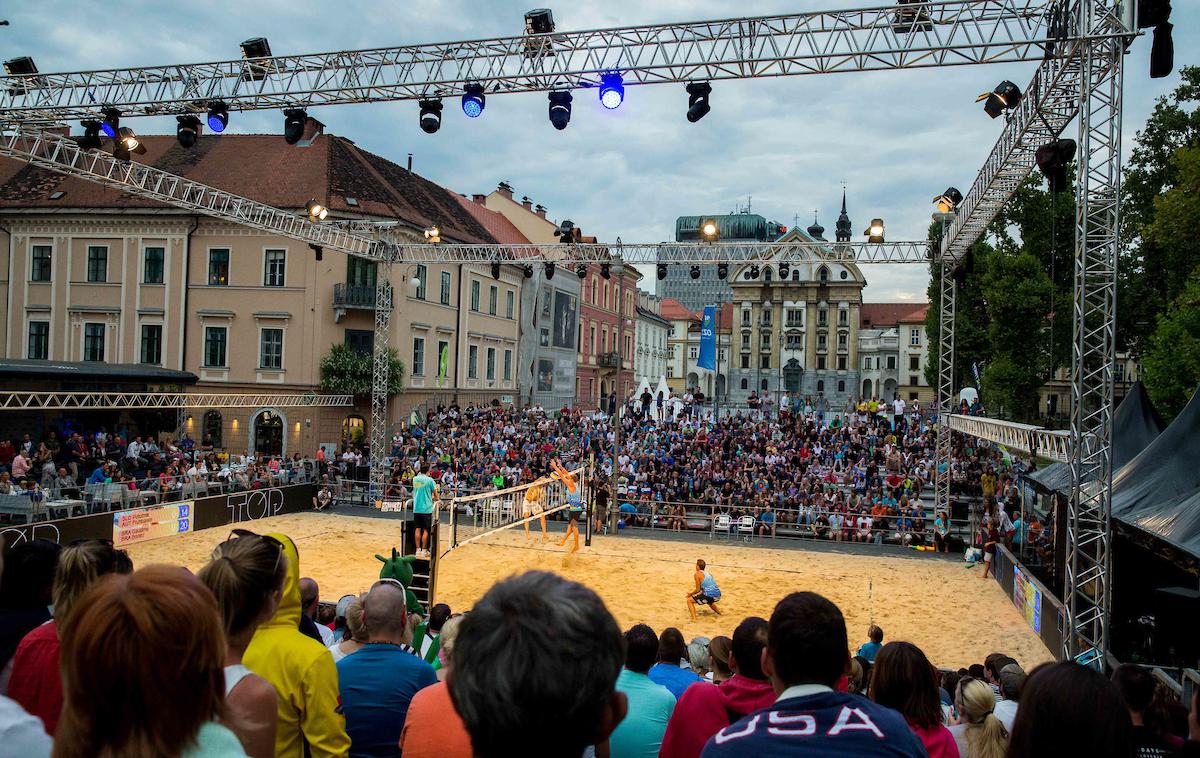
(400, 568)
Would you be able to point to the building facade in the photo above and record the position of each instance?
(650, 355)
(709, 288)
(893, 352)
(608, 327)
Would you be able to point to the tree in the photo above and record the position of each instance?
(970, 315)
(346, 371)
(1018, 292)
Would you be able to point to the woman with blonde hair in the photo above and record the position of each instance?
(245, 575)
(356, 628)
(978, 733)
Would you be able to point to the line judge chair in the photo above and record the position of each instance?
(722, 524)
(745, 528)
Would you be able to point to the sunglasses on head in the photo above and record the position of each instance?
(247, 534)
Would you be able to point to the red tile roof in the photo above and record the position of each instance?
(882, 315)
(673, 310)
(501, 229)
(265, 168)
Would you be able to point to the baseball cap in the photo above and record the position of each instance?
(1012, 679)
(342, 605)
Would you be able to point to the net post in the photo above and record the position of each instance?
(587, 512)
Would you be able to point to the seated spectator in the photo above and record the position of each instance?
(704, 710)
(807, 654)
(25, 592)
(519, 695)
(1069, 709)
(427, 635)
(20, 733)
(36, 682)
(378, 682)
(356, 630)
(432, 728)
(698, 658)
(719, 649)
(1012, 679)
(310, 603)
(1136, 685)
(903, 679)
(302, 672)
(640, 733)
(669, 671)
(978, 733)
(869, 649)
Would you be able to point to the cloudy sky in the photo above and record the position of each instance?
(786, 146)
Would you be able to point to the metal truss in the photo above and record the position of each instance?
(945, 388)
(939, 33)
(380, 370)
(61, 401)
(1023, 438)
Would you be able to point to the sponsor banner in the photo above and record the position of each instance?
(1028, 599)
(708, 340)
(141, 524)
(390, 505)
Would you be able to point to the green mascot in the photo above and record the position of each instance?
(400, 568)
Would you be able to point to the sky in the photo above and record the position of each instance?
(785, 146)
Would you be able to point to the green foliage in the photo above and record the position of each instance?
(970, 322)
(345, 371)
(1018, 292)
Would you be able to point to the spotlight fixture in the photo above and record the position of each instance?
(495, 270)
(130, 142)
(316, 211)
(694, 272)
(698, 106)
(722, 271)
(581, 270)
(709, 230)
(431, 114)
(948, 200)
(874, 232)
(318, 251)
(1053, 160)
(606, 270)
(218, 116)
(912, 19)
(112, 122)
(566, 231)
(433, 234)
(612, 90)
(23, 66)
(253, 48)
(473, 100)
(753, 273)
(662, 271)
(785, 270)
(294, 120)
(539, 21)
(527, 270)
(91, 135)
(549, 270)
(187, 130)
(1005, 97)
(560, 109)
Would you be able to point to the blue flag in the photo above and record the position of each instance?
(708, 339)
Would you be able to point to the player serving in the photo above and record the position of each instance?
(706, 591)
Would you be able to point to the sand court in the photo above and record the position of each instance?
(953, 615)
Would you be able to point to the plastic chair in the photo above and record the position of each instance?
(723, 525)
(746, 528)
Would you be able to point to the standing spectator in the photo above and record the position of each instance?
(904, 679)
(310, 603)
(378, 682)
(1069, 709)
(869, 649)
(25, 592)
(807, 653)
(1137, 686)
(978, 733)
(941, 532)
(36, 681)
(672, 651)
(21, 465)
(518, 695)
(640, 733)
(117, 702)
(432, 728)
(246, 577)
(302, 671)
(704, 710)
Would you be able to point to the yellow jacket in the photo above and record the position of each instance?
(303, 673)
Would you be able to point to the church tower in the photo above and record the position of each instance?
(843, 222)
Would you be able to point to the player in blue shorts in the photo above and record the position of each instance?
(574, 503)
(705, 592)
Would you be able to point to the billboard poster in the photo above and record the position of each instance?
(141, 524)
(565, 305)
(1028, 599)
(708, 340)
(545, 375)
(547, 305)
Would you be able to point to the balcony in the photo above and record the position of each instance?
(609, 360)
(347, 296)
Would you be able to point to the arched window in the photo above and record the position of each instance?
(795, 275)
(767, 274)
(212, 428)
(764, 384)
(841, 386)
(267, 430)
(354, 430)
(820, 385)
(745, 384)
(823, 274)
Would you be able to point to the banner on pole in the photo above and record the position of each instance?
(443, 362)
(708, 339)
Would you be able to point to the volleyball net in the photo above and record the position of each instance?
(475, 517)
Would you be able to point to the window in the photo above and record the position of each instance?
(745, 362)
(842, 341)
(151, 344)
(822, 317)
(93, 342)
(492, 300)
(473, 362)
(767, 274)
(692, 352)
(510, 303)
(273, 268)
(474, 296)
(912, 380)
(361, 341)
(418, 358)
(745, 384)
(507, 365)
(795, 317)
(596, 348)
(766, 317)
(490, 366)
(793, 342)
(152, 265)
(421, 281)
(40, 270)
(820, 385)
(271, 348)
(746, 340)
(914, 363)
(746, 318)
(841, 386)
(843, 317)
(820, 363)
(214, 346)
(841, 363)
(914, 337)
(359, 272)
(218, 267)
(821, 342)
(823, 274)
(212, 427)
(891, 363)
(97, 263)
(445, 295)
(764, 361)
(39, 340)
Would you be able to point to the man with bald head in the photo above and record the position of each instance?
(378, 681)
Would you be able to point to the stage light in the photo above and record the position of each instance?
(948, 201)
(539, 21)
(1053, 160)
(549, 270)
(187, 130)
(495, 270)
(218, 116)
(722, 271)
(875, 231)
(566, 231)
(698, 106)
(316, 211)
(527, 270)
(1005, 97)
(606, 270)
(433, 234)
(612, 91)
(130, 142)
(473, 100)
(318, 251)
(112, 122)
(662, 271)
(255, 47)
(912, 19)
(294, 120)
(581, 270)
(431, 114)
(91, 135)
(753, 273)
(709, 230)
(784, 270)
(22, 66)
(560, 109)
(694, 272)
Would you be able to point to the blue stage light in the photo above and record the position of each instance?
(612, 91)
(473, 100)
(111, 125)
(218, 117)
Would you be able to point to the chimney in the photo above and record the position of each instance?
(540, 210)
(312, 128)
(505, 189)
(527, 204)
(480, 199)
(410, 163)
